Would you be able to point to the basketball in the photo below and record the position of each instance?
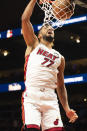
(63, 9)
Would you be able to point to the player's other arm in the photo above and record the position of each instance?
(27, 29)
(62, 93)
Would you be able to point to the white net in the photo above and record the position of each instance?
(56, 11)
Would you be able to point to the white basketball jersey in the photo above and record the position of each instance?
(42, 67)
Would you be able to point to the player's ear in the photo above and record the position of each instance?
(39, 36)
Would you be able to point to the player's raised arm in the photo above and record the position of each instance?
(62, 93)
(27, 29)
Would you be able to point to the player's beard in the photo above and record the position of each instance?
(48, 38)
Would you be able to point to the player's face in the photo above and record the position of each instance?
(48, 31)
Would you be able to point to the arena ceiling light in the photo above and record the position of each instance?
(75, 38)
(78, 40)
(4, 52)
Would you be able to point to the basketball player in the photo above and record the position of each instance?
(44, 68)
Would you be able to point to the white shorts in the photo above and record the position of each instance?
(40, 108)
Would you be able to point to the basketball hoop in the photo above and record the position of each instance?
(56, 11)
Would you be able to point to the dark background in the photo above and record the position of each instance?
(11, 66)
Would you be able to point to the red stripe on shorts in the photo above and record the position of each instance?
(33, 126)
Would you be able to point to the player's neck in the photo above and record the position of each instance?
(47, 44)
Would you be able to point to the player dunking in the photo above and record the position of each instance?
(44, 74)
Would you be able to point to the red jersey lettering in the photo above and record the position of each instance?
(45, 53)
(50, 56)
(40, 51)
